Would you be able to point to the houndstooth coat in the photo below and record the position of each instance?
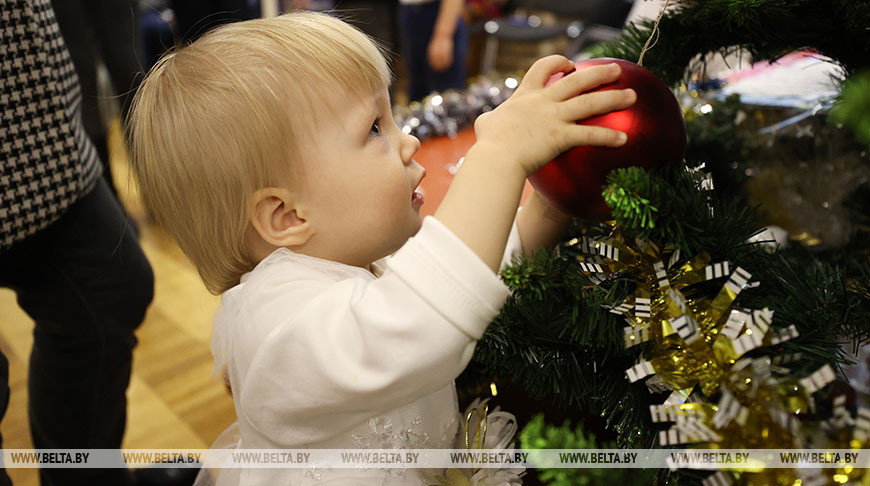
(47, 161)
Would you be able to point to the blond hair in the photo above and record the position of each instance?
(221, 118)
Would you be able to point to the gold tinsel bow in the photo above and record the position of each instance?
(696, 346)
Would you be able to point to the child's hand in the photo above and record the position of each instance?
(532, 127)
(537, 123)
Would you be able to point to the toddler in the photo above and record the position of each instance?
(268, 149)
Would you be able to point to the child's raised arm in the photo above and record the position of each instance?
(532, 127)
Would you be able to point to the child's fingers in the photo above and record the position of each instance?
(596, 103)
(583, 80)
(543, 68)
(600, 136)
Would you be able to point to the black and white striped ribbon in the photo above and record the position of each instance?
(716, 270)
(584, 244)
(862, 425)
(588, 244)
(607, 251)
(720, 478)
(686, 327)
(738, 280)
(639, 371)
(687, 432)
(620, 309)
(757, 326)
(747, 342)
(592, 267)
(668, 412)
(662, 413)
(698, 431)
(635, 335)
(642, 308)
(661, 275)
(783, 335)
(736, 320)
(678, 299)
(818, 379)
(761, 319)
(728, 409)
(786, 358)
(671, 436)
(841, 417)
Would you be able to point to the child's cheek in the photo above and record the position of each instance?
(395, 191)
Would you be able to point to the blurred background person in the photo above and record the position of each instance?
(434, 41)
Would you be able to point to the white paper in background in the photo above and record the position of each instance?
(798, 80)
(645, 9)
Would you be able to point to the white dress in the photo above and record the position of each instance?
(325, 355)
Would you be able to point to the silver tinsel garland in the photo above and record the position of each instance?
(449, 112)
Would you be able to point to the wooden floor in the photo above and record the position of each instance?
(173, 401)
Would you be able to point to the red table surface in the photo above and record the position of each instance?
(437, 155)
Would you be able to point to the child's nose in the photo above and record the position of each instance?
(410, 146)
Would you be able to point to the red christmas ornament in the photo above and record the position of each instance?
(656, 131)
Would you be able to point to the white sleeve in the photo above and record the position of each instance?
(356, 348)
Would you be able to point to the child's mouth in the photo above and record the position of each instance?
(417, 199)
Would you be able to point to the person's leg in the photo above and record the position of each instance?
(86, 283)
(453, 77)
(115, 25)
(374, 17)
(415, 29)
(78, 35)
(196, 17)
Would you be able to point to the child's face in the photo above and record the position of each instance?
(360, 180)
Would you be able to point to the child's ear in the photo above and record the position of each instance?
(274, 216)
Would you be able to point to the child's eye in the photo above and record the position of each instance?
(376, 127)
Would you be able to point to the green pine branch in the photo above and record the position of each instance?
(537, 434)
(853, 107)
(668, 207)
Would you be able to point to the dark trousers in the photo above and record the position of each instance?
(416, 24)
(196, 17)
(86, 283)
(95, 30)
(378, 19)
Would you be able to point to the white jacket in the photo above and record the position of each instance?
(325, 355)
